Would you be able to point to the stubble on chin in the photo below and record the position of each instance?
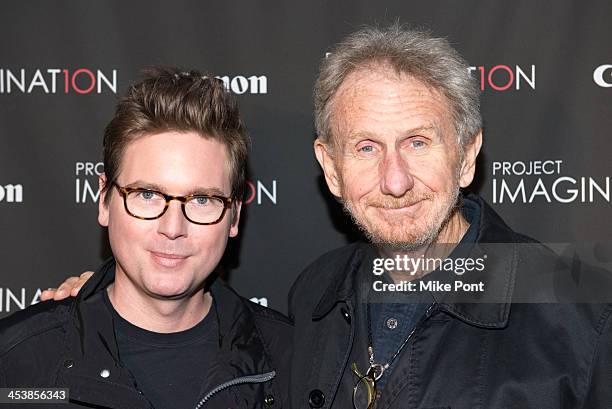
(396, 236)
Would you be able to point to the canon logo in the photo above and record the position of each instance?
(242, 85)
(603, 76)
(11, 193)
(57, 80)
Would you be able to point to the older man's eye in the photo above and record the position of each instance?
(366, 149)
(417, 144)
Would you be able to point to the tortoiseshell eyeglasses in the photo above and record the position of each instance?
(147, 204)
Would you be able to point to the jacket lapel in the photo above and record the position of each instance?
(241, 348)
(90, 367)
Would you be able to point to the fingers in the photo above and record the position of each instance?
(64, 290)
(69, 288)
(86, 276)
(80, 283)
(47, 294)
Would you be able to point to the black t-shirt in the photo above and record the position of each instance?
(169, 369)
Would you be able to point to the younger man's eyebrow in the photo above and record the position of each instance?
(145, 185)
(207, 191)
(215, 191)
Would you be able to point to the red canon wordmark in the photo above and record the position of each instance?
(503, 77)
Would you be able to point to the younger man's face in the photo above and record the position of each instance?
(169, 257)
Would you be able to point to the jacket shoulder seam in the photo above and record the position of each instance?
(28, 336)
(285, 321)
(320, 266)
(58, 314)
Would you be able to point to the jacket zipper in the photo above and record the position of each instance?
(261, 378)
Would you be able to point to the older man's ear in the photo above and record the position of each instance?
(470, 153)
(326, 160)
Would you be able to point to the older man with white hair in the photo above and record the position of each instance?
(399, 130)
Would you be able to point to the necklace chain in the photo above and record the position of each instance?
(378, 369)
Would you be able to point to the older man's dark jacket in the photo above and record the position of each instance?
(532, 346)
(68, 344)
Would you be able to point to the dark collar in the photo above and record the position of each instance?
(235, 321)
(490, 310)
(342, 281)
(92, 342)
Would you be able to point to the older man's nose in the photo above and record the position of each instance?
(395, 179)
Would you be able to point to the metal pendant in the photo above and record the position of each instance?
(364, 391)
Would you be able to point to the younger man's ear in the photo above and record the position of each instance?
(102, 208)
(235, 214)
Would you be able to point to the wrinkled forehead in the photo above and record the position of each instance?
(377, 91)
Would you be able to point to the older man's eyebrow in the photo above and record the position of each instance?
(361, 135)
(423, 129)
(426, 129)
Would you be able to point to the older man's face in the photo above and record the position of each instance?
(395, 160)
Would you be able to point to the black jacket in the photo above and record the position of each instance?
(499, 354)
(68, 344)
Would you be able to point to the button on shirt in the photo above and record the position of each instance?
(391, 325)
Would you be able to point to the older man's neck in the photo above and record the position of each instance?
(454, 229)
(448, 238)
(157, 315)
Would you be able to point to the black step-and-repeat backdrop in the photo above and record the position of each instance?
(544, 68)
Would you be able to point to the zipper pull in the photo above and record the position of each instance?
(429, 310)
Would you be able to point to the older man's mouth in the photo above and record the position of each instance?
(399, 209)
